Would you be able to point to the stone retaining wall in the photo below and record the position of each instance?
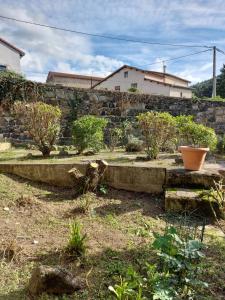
(115, 106)
(130, 178)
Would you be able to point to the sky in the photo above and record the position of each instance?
(190, 22)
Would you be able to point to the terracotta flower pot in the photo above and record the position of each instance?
(193, 158)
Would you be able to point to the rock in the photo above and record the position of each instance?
(6, 209)
(29, 156)
(53, 280)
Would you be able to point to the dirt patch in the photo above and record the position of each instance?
(118, 224)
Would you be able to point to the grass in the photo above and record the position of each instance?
(118, 225)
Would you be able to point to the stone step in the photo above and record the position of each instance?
(182, 199)
(192, 179)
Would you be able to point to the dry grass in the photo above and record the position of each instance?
(119, 226)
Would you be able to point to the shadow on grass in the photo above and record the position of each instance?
(149, 204)
(50, 192)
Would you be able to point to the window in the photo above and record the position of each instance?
(2, 68)
(134, 85)
(126, 74)
(117, 88)
(181, 94)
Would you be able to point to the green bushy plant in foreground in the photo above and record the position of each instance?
(42, 121)
(158, 130)
(88, 133)
(195, 134)
(175, 276)
(77, 241)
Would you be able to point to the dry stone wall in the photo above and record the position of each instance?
(115, 106)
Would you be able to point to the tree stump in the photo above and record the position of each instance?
(93, 176)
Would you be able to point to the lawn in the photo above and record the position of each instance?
(34, 220)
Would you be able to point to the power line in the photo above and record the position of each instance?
(175, 58)
(103, 36)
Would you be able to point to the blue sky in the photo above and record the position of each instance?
(175, 21)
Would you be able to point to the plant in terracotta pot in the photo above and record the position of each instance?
(198, 140)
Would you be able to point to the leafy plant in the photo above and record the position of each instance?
(216, 196)
(88, 133)
(195, 134)
(176, 276)
(42, 121)
(115, 136)
(77, 241)
(158, 129)
(103, 189)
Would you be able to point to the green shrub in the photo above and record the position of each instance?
(134, 144)
(115, 136)
(133, 90)
(175, 276)
(158, 130)
(88, 133)
(77, 241)
(195, 134)
(42, 121)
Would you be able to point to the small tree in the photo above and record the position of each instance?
(88, 133)
(158, 129)
(115, 136)
(42, 121)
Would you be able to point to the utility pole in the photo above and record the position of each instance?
(164, 67)
(214, 72)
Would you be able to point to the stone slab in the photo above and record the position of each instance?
(181, 200)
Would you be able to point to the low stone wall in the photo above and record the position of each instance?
(4, 146)
(130, 178)
(115, 106)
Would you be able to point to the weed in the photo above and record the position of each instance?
(103, 189)
(77, 241)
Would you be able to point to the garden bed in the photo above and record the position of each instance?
(119, 228)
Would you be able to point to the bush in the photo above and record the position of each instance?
(115, 136)
(88, 133)
(158, 130)
(42, 121)
(76, 244)
(195, 134)
(134, 144)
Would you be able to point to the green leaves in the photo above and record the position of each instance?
(77, 241)
(88, 133)
(42, 121)
(176, 276)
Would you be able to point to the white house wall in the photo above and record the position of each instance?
(144, 86)
(9, 58)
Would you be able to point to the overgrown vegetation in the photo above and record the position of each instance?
(42, 121)
(88, 133)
